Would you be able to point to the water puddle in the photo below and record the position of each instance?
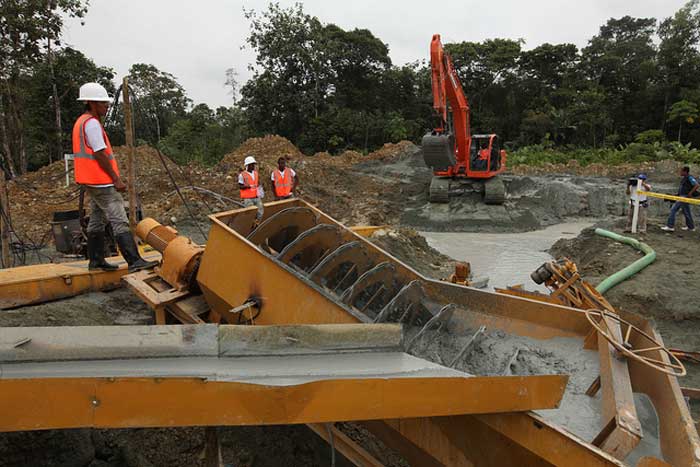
(505, 258)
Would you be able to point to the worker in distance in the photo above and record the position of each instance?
(283, 180)
(688, 188)
(97, 171)
(251, 191)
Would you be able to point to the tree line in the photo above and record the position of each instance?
(636, 84)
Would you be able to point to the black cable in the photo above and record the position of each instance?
(24, 245)
(183, 173)
(179, 193)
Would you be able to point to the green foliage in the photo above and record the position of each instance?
(326, 88)
(684, 112)
(70, 69)
(205, 136)
(28, 30)
(631, 153)
(649, 137)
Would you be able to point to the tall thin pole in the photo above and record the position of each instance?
(131, 172)
(4, 227)
(635, 206)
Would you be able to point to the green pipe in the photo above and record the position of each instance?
(629, 271)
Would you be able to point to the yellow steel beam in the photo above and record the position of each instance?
(618, 409)
(522, 439)
(52, 403)
(40, 283)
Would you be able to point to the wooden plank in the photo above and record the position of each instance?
(138, 282)
(212, 447)
(130, 165)
(345, 445)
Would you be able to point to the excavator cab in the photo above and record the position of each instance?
(485, 154)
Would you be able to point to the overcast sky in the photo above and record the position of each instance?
(198, 40)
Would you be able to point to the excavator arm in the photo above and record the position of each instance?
(447, 91)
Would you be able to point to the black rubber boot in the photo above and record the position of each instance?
(131, 255)
(96, 252)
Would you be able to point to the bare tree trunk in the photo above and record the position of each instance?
(22, 150)
(58, 148)
(7, 152)
(4, 226)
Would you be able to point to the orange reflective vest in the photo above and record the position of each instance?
(283, 182)
(87, 170)
(252, 181)
(484, 154)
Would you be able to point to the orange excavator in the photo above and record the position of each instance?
(457, 158)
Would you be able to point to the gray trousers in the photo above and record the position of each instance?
(255, 202)
(106, 205)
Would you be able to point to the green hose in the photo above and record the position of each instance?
(629, 271)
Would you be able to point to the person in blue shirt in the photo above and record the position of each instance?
(688, 188)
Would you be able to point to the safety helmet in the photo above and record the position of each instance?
(93, 92)
(642, 176)
(249, 160)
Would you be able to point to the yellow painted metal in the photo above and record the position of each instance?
(367, 230)
(618, 409)
(46, 403)
(40, 283)
(680, 442)
(522, 439)
(682, 199)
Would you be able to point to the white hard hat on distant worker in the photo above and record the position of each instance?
(249, 160)
(94, 92)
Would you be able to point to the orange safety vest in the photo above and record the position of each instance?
(87, 170)
(283, 182)
(484, 154)
(252, 182)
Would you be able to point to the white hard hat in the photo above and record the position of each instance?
(249, 160)
(93, 92)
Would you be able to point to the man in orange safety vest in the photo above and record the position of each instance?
(283, 180)
(97, 171)
(251, 191)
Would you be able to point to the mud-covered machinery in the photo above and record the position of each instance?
(299, 266)
(299, 271)
(460, 161)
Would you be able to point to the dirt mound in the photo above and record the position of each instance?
(266, 151)
(35, 196)
(331, 182)
(412, 248)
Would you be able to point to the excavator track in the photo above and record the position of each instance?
(439, 190)
(494, 191)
